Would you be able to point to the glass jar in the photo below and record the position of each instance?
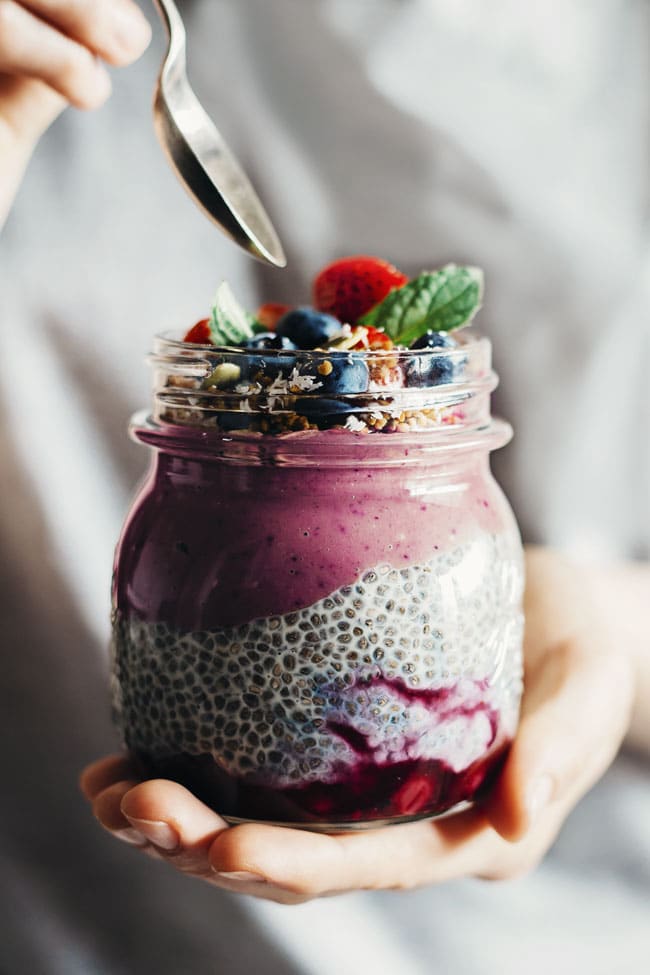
(317, 596)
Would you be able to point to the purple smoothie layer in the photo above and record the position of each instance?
(210, 544)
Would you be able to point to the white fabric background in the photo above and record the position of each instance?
(510, 135)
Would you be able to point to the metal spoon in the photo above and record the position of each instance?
(202, 160)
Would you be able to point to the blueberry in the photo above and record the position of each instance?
(433, 370)
(269, 340)
(323, 412)
(307, 327)
(255, 365)
(270, 365)
(316, 406)
(233, 421)
(341, 373)
(435, 340)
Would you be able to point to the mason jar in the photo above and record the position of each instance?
(317, 597)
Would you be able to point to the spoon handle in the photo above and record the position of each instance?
(174, 26)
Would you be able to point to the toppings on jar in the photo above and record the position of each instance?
(371, 336)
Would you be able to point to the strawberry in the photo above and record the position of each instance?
(270, 314)
(415, 796)
(350, 287)
(200, 333)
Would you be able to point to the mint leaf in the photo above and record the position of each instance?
(229, 323)
(438, 301)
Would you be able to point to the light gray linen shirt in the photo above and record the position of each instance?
(509, 135)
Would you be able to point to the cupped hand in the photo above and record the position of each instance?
(54, 52)
(579, 690)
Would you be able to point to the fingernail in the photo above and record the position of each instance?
(130, 836)
(242, 877)
(131, 28)
(159, 833)
(540, 793)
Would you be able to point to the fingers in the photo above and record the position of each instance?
(174, 821)
(576, 709)
(156, 815)
(313, 864)
(106, 809)
(32, 48)
(159, 802)
(115, 30)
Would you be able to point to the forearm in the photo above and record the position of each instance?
(625, 590)
(14, 158)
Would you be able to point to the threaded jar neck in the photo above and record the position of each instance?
(382, 407)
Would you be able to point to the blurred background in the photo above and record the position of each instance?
(507, 135)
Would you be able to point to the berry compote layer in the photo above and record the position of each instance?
(316, 622)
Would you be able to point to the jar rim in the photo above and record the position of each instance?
(467, 339)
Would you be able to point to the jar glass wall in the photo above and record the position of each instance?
(319, 624)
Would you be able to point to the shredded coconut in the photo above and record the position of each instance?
(303, 383)
(353, 423)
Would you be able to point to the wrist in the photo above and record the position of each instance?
(27, 109)
(601, 605)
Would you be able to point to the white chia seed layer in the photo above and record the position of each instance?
(268, 699)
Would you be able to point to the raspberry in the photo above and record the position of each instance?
(200, 333)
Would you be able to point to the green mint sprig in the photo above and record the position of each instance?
(229, 323)
(437, 301)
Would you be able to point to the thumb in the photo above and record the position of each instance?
(27, 108)
(575, 713)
